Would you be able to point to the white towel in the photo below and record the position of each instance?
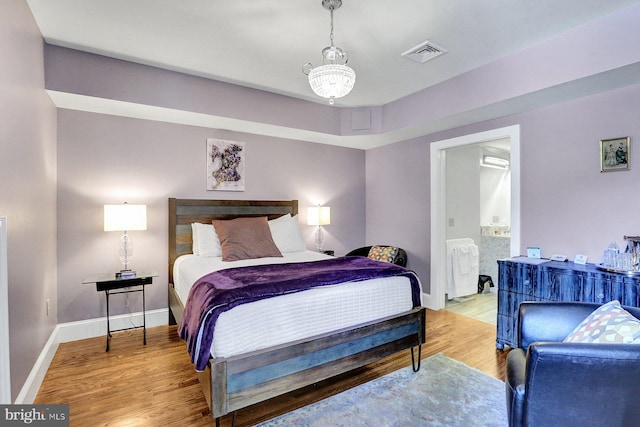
(462, 267)
(461, 259)
(474, 257)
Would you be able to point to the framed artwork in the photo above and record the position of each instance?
(225, 165)
(614, 154)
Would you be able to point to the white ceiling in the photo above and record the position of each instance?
(263, 44)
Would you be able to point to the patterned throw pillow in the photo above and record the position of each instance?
(610, 323)
(383, 253)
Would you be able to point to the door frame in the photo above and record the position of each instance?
(5, 366)
(435, 300)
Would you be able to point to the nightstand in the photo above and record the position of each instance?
(111, 285)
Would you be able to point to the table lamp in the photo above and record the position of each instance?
(319, 215)
(125, 218)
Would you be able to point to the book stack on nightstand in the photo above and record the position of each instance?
(125, 274)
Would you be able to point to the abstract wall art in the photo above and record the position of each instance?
(225, 165)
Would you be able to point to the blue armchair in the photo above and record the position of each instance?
(551, 383)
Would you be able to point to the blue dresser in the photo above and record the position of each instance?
(555, 281)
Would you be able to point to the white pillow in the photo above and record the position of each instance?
(205, 240)
(280, 219)
(194, 239)
(286, 233)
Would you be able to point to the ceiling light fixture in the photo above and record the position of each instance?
(496, 162)
(333, 79)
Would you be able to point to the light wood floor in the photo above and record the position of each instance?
(155, 385)
(483, 307)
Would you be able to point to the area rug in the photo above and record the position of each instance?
(444, 392)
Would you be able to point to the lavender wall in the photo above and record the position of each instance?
(105, 159)
(73, 71)
(398, 192)
(568, 206)
(28, 190)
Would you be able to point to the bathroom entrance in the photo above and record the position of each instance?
(474, 198)
(478, 211)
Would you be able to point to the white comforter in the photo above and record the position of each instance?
(286, 318)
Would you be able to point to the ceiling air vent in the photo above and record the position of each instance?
(424, 52)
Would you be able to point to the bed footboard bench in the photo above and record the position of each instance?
(236, 382)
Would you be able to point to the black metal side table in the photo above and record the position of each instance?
(110, 284)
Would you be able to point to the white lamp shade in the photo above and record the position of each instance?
(125, 217)
(320, 215)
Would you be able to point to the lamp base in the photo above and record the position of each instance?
(319, 239)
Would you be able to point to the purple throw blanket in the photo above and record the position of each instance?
(222, 290)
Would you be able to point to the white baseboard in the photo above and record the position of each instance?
(429, 302)
(91, 328)
(31, 386)
(74, 331)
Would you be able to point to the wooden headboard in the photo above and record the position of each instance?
(182, 212)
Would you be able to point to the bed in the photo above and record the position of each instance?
(250, 369)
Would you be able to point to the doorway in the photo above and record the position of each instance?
(477, 194)
(437, 295)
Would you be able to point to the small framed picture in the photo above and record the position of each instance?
(614, 154)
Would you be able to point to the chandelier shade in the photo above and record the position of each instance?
(333, 79)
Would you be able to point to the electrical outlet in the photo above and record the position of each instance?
(452, 222)
(48, 306)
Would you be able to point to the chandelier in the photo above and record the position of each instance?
(333, 79)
